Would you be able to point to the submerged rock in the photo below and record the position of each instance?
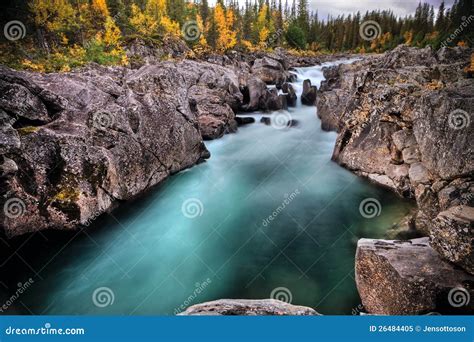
(242, 120)
(408, 277)
(246, 307)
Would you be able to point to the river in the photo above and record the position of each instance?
(269, 215)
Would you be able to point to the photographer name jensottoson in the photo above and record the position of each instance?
(418, 328)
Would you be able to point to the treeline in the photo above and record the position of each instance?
(66, 33)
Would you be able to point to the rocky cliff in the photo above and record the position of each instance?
(404, 121)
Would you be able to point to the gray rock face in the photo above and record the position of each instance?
(107, 135)
(246, 307)
(452, 236)
(404, 121)
(408, 277)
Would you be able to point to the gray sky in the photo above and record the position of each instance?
(336, 7)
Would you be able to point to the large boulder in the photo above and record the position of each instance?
(408, 277)
(246, 307)
(108, 135)
(272, 69)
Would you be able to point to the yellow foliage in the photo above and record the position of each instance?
(112, 33)
(225, 21)
(462, 43)
(169, 26)
(408, 37)
(27, 64)
(142, 23)
(53, 15)
(156, 9)
(100, 8)
(263, 36)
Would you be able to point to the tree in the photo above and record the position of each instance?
(224, 21)
(295, 36)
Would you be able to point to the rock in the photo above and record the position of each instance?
(111, 134)
(419, 174)
(244, 120)
(407, 278)
(291, 96)
(308, 97)
(452, 236)
(391, 119)
(211, 127)
(270, 70)
(246, 307)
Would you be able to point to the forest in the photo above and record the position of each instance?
(57, 35)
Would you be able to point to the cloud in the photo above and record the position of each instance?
(338, 7)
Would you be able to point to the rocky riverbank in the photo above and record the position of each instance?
(404, 122)
(74, 145)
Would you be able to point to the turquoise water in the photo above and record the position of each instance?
(206, 234)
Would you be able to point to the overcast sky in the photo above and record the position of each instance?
(336, 7)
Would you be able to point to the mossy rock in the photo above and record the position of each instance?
(27, 130)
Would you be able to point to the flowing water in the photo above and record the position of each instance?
(269, 215)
